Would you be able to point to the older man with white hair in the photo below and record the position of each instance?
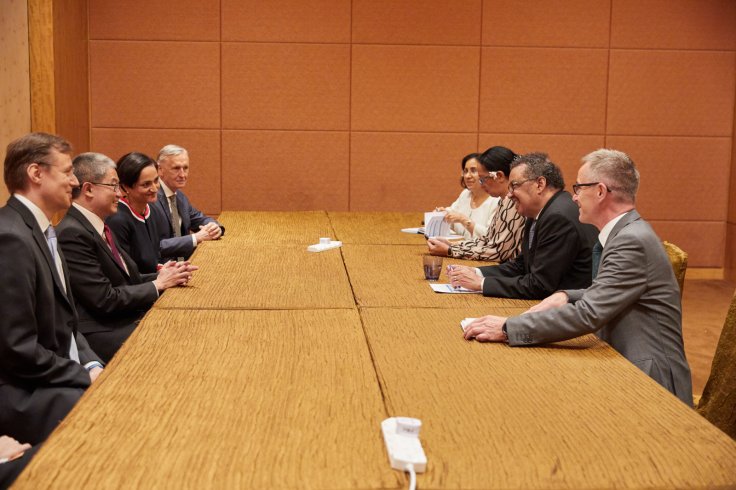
(181, 226)
(634, 301)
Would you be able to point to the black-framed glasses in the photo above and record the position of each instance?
(513, 185)
(485, 178)
(576, 188)
(115, 187)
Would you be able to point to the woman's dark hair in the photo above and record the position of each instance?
(497, 159)
(130, 167)
(466, 159)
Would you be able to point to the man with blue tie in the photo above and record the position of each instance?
(110, 294)
(45, 362)
(181, 226)
(634, 301)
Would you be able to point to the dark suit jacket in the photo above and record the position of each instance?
(109, 301)
(633, 304)
(36, 325)
(558, 258)
(191, 219)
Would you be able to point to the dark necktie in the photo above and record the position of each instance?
(531, 233)
(175, 220)
(596, 256)
(115, 253)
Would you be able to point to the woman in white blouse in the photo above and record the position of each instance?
(470, 215)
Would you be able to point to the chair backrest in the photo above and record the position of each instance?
(718, 403)
(678, 259)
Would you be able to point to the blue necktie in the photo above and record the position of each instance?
(596, 256)
(51, 242)
(531, 233)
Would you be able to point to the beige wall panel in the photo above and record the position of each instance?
(155, 84)
(543, 90)
(285, 170)
(417, 22)
(552, 23)
(666, 162)
(415, 88)
(71, 71)
(406, 171)
(15, 95)
(316, 21)
(161, 20)
(285, 86)
(674, 24)
(203, 146)
(674, 93)
(704, 241)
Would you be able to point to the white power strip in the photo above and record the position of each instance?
(401, 435)
(324, 244)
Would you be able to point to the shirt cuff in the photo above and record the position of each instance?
(194, 240)
(93, 364)
(477, 271)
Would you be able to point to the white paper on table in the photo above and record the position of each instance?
(435, 224)
(448, 288)
(465, 322)
(416, 231)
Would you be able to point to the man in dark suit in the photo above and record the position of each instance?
(634, 301)
(45, 362)
(175, 216)
(110, 294)
(556, 248)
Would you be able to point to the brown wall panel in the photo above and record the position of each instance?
(285, 86)
(406, 171)
(673, 183)
(675, 93)
(674, 24)
(15, 94)
(203, 146)
(71, 78)
(553, 23)
(41, 45)
(703, 241)
(319, 21)
(565, 150)
(285, 170)
(730, 265)
(148, 20)
(155, 84)
(533, 90)
(415, 88)
(417, 22)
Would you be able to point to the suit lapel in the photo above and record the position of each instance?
(164, 203)
(630, 217)
(84, 222)
(43, 244)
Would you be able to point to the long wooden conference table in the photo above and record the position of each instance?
(275, 367)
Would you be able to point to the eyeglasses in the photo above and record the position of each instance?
(114, 187)
(576, 188)
(513, 185)
(491, 175)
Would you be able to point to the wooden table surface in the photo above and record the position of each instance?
(274, 368)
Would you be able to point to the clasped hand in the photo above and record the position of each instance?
(461, 275)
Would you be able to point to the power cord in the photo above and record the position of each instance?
(412, 476)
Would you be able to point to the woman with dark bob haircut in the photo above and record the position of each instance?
(133, 224)
(470, 215)
(502, 241)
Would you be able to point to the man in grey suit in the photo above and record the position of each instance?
(634, 301)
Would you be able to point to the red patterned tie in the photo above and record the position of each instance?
(111, 243)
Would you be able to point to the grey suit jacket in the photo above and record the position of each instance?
(633, 304)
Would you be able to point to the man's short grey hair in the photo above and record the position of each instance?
(539, 165)
(615, 169)
(90, 167)
(170, 151)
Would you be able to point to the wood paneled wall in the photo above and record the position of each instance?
(15, 97)
(730, 256)
(370, 104)
(59, 69)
